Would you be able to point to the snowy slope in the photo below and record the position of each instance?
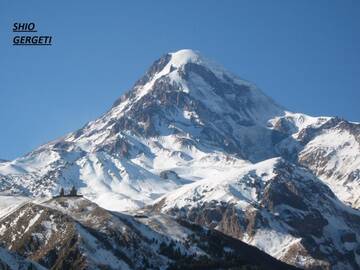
(9, 203)
(278, 207)
(334, 155)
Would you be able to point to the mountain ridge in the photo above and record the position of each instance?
(279, 207)
(74, 233)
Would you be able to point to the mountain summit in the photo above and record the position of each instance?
(192, 76)
(192, 137)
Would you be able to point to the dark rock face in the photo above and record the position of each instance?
(279, 192)
(285, 126)
(312, 223)
(119, 147)
(233, 222)
(156, 67)
(348, 237)
(169, 174)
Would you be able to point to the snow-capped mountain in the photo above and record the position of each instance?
(186, 112)
(188, 124)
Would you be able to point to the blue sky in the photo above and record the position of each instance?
(304, 54)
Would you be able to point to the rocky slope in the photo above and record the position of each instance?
(280, 208)
(74, 233)
(11, 261)
(330, 148)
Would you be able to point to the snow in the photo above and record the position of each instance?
(30, 163)
(300, 121)
(343, 152)
(33, 220)
(163, 228)
(98, 254)
(275, 243)
(9, 204)
(227, 188)
(167, 226)
(11, 168)
(182, 57)
(50, 227)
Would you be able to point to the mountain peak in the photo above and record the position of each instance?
(184, 56)
(180, 62)
(181, 58)
(196, 89)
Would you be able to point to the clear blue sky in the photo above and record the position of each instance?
(304, 54)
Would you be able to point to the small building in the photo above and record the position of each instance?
(73, 193)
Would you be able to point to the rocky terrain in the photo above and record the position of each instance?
(74, 233)
(283, 209)
(10, 261)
